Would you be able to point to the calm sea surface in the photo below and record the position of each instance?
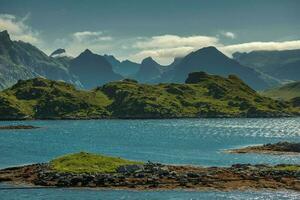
(188, 141)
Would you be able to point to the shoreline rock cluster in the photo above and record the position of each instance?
(12, 127)
(276, 148)
(159, 176)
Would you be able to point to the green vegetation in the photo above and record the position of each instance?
(287, 168)
(41, 98)
(202, 95)
(285, 92)
(88, 163)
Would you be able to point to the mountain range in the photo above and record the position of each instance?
(92, 70)
(20, 60)
(284, 65)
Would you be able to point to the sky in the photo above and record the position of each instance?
(162, 29)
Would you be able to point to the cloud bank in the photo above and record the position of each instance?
(164, 48)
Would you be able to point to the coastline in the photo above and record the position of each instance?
(156, 176)
(149, 118)
(280, 148)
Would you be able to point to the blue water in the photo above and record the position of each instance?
(190, 141)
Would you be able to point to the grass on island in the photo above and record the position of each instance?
(88, 163)
(288, 168)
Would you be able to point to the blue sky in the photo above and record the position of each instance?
(162, 29)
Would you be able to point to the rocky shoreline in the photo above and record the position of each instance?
(12, 127)
(276, 148)
(158, 176)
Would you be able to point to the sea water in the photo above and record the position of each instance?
(181, 141)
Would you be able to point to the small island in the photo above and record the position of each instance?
(277, 148)
(12, 127)
(99, 171)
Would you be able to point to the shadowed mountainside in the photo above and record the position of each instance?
(212, 61)
(20, 60)
(126, 68)
(92, 70)
(279, 64)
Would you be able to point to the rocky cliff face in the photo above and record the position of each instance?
(20, 60)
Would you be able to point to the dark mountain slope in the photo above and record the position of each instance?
(92, 70)
(20, 60)
(149, 71)
(280, 64)
(125, 68)
(212, 61)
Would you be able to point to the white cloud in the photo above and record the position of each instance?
(91, 37)
(18, 29)
(170, 41)
(162, 55)
(228, 34)
(251, 46)
(165, 48)
(77, 42)
(162, 48)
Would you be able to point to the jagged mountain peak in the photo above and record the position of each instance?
(4, 37)
(87, 52)
(148, 59)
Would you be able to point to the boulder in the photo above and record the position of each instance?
(129, 168)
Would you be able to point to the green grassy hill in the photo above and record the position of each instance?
(41, 98)
(88, 163)
(286, 92)
(202, 95)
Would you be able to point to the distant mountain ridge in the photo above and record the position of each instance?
(149, 71)
(125, 68)
(19, 60)
(279, 64)
(92, 70)
(211, 60)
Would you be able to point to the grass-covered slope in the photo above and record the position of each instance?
(286, 92)
(202, 95)
(88, 163)
(41, 98)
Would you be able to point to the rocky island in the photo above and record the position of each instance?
(277, 148)
(98, 171)
(202, 95)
